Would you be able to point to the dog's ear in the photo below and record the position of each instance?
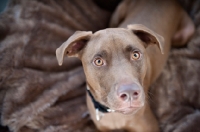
(147, 36)
(73, 45)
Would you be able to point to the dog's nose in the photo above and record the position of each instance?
(128, 92)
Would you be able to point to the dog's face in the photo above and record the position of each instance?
(115, 64)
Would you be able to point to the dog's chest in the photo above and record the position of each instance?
(113, 121)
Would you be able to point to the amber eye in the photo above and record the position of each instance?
(99, 62)
(135, 55)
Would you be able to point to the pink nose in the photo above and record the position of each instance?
(128, 92)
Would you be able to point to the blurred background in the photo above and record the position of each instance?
(3, 4)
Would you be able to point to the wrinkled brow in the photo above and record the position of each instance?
(102, 54)
(130, 48)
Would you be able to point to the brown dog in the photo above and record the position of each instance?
(120, 64)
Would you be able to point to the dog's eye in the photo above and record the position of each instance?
(135, 55)
(99, 62)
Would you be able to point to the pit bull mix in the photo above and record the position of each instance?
(121, 63)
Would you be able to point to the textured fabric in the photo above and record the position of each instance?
(175, 97)
(35, 93)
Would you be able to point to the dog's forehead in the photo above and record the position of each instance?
(113, 33)
(114, 38)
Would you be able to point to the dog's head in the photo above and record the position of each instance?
(115, 63)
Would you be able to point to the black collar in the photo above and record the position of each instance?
(97, 105)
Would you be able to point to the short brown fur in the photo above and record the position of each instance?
(115, 46)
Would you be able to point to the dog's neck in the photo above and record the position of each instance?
(99, 108)
(97, 105)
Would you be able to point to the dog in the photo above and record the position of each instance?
(121, 63)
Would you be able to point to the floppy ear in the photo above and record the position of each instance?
(147, 36)
(73, 45)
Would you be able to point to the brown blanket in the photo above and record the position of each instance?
(36, 95)
(175, 97)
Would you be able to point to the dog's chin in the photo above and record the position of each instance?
(129, 110)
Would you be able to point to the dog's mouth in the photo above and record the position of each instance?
(128, 107)
(128, 110)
